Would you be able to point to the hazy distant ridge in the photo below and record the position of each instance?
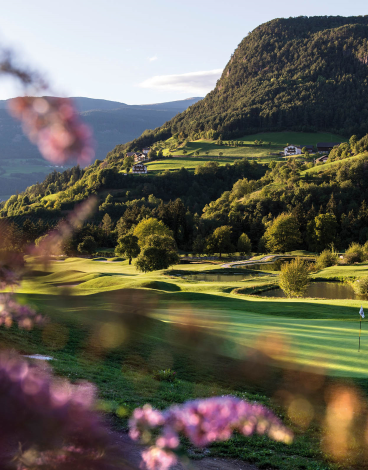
(112, 122)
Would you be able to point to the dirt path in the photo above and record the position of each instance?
(133, 456)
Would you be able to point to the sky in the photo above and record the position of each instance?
(139, 51)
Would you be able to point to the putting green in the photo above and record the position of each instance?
(331, 345)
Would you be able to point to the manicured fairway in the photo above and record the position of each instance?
(321, 333)
(113, 326)
(329, 344)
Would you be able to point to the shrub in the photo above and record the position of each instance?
(360, 286)
(326, 259)
(294, 278)
(159, 252)
(365, 250)
(244, 244)
(312, 267)
(354, 254)
(277, 265)
(88, 245)
(40, 239)
(166, 375)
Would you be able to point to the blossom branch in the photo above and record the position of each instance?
(202, 422)
(52, 421)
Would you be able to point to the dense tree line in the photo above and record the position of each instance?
(61, 191)
(241, 207)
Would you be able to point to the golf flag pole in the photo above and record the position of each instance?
(361, 313)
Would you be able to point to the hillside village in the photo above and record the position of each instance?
(138, 168)
(321, 150)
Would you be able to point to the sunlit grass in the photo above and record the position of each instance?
(322, 331)
(272, 142)
(317, 333)
(329, 166)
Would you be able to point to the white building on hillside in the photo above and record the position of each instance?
(292, 150)
(140, 157)
(139, 169)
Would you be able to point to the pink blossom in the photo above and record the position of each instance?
(11, 311)
(52, 423)
(11, 263)
(144, 418)
(156, 458)
(54, 126)
(203, 422)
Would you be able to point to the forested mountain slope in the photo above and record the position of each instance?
(247, 197)
(302, 74)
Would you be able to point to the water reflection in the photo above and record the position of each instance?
(324, 290)
(236, 277)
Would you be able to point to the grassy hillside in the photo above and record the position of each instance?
(333, 165)
(273, 142)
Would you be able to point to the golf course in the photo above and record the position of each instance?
(319, 332)
(115, 327)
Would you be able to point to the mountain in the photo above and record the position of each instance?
(296, 74)
(112, 122)
(126, 122)
(302, 74)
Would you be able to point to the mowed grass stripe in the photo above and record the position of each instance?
(331, 345)
(318, 331)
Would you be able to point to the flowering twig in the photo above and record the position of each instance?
(52, 423)
(11, 311)
(202, 422)
(54, 126)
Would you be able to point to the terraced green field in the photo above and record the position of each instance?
(189, 162)
(272, 142)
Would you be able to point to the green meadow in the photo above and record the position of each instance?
(24, 166)
(18, 173)
(273, 143)
(189, 162)
(327, 166)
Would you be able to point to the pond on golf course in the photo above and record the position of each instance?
(323, 290)
(233, 277)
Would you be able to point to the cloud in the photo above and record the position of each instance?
(194, 82)
(152, 59)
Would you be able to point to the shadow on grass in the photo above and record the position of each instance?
(282, 307)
